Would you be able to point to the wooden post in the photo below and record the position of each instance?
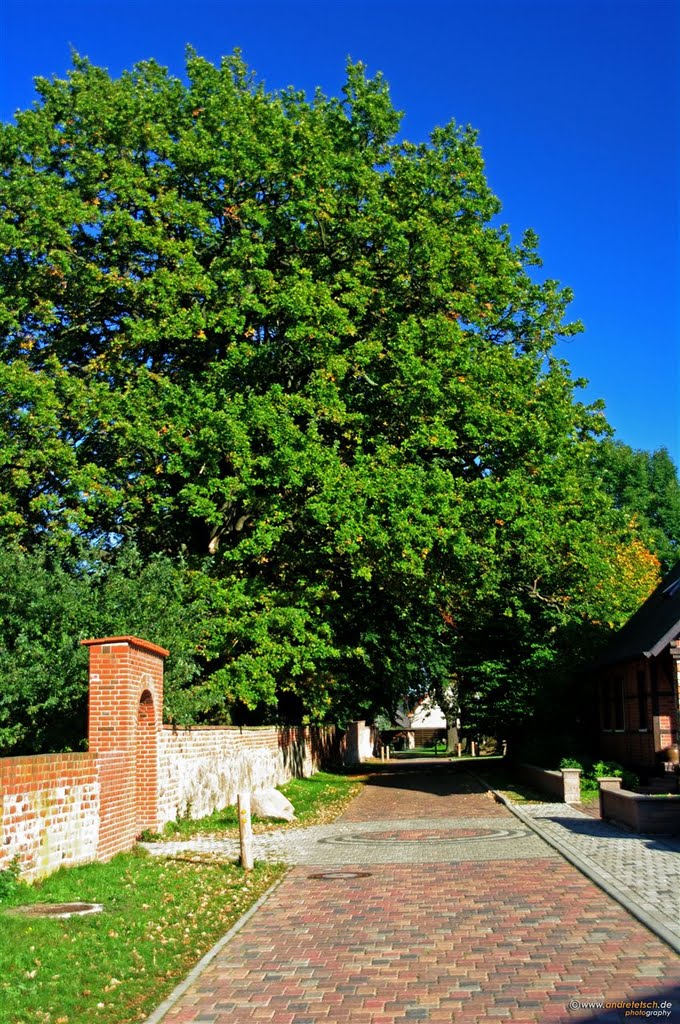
(459, 749)
(387, 753)
(245, 831)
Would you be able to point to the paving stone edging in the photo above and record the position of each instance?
(589, 869)
(177, 993)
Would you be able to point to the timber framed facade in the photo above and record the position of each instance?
(638, 680)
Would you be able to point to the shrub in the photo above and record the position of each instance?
(10, 879)
(571, 762)
(590, 773)
(612, 769)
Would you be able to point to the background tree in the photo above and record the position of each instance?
(644, 485)
(254, 334)
(49, 602)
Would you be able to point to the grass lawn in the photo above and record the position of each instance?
(160, 917)
(317, 800)
(441, 751)
(499, 778)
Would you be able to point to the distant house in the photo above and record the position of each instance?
(425, 715)
(638, 682)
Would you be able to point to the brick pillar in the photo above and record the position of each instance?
(571, 782)
(125, 717)
(607, 785)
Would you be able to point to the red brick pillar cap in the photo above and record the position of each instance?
(133, 641)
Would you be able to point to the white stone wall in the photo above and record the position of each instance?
(204, 769)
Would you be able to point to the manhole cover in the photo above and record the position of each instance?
(341, 875)
(57, 909)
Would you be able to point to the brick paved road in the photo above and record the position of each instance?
(514, 936)
(644, 870)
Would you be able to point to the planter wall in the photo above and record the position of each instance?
(654, 815)
(564, 785)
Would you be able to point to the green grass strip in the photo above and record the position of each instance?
(160, 917)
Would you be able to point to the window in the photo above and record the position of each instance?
(606, 704)
(617, 701)
(642, 701)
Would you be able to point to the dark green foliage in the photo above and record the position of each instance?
(591, 772)
(43, 611)
(48, 605)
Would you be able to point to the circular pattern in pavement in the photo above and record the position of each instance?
(430, 835)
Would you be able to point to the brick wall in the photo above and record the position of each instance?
(647, 814)
(49, 811)
(564, 785)
(64, 809)
(125, 716)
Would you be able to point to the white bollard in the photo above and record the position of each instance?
(245, 831)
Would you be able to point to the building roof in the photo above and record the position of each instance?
(652, 627)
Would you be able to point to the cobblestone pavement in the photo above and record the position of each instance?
(427, 901)
(644, 870)
(390, 842)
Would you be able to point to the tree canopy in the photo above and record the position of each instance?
(257, 335)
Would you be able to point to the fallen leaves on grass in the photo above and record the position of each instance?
(159, 919)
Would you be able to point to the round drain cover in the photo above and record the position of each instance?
(57, 909)
(341, 875)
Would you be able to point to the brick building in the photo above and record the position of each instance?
(639, 683)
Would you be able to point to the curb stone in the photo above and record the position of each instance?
(177, 993)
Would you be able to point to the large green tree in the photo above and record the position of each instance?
(256, 332)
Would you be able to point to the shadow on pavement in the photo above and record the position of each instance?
(444, 779)
(597, 829)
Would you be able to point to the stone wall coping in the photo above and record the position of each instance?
(169, 727)
(132, 641)
(77, 755)
(641, 798)
(555, 772)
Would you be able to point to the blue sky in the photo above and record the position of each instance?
(577, 103)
